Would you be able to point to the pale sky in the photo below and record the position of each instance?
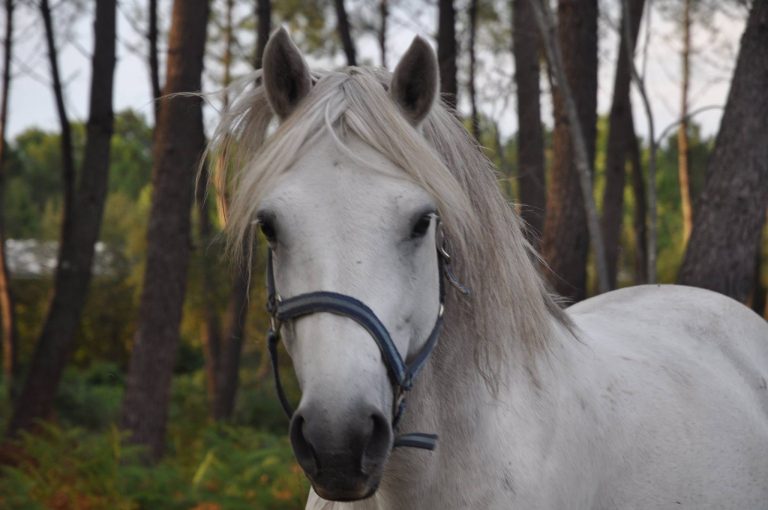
(31, 100)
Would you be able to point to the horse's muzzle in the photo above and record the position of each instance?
(344, 458)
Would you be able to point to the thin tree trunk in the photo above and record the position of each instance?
(154, 65)
(384, 17)
(228, 367)
(532, 189)
(572, 219)
(211, 334)
(447, 52)
(342, 26)
(264, 15)
(683, 151)
(178, 144)
(651, 177)
(472, 67)
(640, 214)
(67, 156)
(227, 381)
(79, 235)
(229, 361)
(10, 348)
(731, 212)
(619, 145)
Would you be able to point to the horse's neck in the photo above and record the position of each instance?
(497, 439)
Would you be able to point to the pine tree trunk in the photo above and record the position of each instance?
(731, 212)
(178, 145)
(211, 333)
(231, 348)
(384, 17)
(683, 151)
(472, 67)
(67, 156)
(447, 52)
(154, 65)
(565, 244)
(618, 148)
(345, 35)
(530, 137)
(640, 213)
(7, 313)
(79, 235)
(264, 15)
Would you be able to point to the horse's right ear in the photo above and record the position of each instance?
(285, 74)
(416, 81)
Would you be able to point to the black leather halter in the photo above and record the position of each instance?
(401, 373)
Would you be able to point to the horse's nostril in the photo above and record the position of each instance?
(305, 453)
(378, 444)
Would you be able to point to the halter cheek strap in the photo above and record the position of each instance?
(401, 373)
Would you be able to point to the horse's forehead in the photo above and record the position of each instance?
(330, 180)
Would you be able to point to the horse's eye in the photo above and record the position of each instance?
(267, 227)
(421, 226)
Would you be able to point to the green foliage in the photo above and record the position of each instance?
(33, 199)
(131, 156)
(83, 462)
(228, 468)
(90, 398)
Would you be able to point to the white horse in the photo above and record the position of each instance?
(652, 397)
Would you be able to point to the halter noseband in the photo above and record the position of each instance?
(401, 373)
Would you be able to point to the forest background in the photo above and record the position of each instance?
(134, 364)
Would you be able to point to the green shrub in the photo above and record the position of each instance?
(225, 468)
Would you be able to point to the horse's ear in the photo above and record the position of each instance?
(415, 82)
(285, 74)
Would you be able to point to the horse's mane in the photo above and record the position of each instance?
(491, 255)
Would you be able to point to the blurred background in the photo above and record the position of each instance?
(135, 373)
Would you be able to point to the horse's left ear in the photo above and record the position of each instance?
(415, 82)
(285, 74)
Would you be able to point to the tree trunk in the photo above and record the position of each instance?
(227, 378)
(211, 334)
(472, 67)
(618, 148)
(231, 348)
(447, 52)
(264, 15)
(565, 245)
(532, 190)
(640, 215)
(79, 235)
(651, 174)
(731, 212)
(154, 65)
(67, 156)
(178, 144)
(344, 32)
(10, 348)
(384, 17)
(683, 151)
